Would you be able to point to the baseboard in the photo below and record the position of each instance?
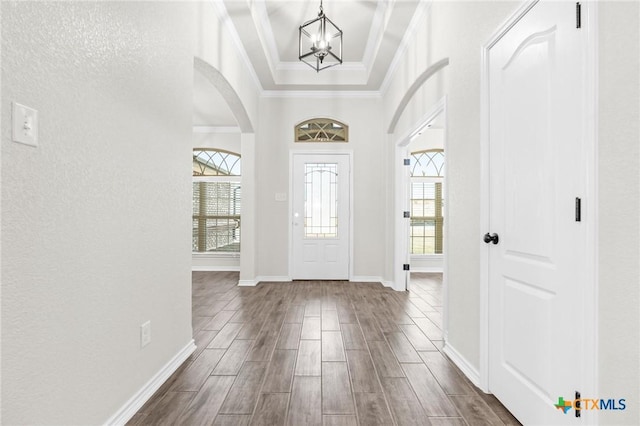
(389, 284)
(273, 278)
(131, 407)
(366, 279)
(215, 268)
(465, 366)
(247, 283)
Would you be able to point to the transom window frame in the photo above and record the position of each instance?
(218, 178)
(321, 130)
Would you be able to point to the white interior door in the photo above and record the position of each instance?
(320, 216)
(537, 169)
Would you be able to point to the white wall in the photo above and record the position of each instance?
(619, 202)
(457, 30)
(454, 30)
(94, 244)
(275, 140)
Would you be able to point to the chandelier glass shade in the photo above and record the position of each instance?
(320, 42)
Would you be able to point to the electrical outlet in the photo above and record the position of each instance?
(145, 334)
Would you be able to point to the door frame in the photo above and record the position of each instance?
(402, 201)
(292, 154)
(589, 321)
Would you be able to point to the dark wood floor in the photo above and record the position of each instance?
(314, 353)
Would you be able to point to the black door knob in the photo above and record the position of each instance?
(491, 238)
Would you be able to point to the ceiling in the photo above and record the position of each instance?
(373, 32)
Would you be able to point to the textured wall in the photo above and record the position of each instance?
(618, 205)
(95, 221)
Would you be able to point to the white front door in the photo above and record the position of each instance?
(537, 170)
(320, 216)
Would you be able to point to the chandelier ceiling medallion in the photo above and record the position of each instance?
(320, 42)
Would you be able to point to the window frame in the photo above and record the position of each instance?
(217, 178)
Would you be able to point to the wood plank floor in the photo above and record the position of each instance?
(318, 353)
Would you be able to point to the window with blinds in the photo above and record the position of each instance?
(426, 230)
(217, 199)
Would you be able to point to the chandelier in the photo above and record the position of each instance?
(320, 42)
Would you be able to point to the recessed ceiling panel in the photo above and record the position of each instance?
(352, 17)
(373, 31)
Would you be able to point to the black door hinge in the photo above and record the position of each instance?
(406, 214)
(407, 162)
(578, 404)
(578, 209)
(405, 267)
(578, 15)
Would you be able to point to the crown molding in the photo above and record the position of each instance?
(376, 33)
(260, 17)
(322, 94)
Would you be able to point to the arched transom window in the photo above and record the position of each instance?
(215, 162)
(321, 130)
(429, 163)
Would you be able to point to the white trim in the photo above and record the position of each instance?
(131, 407)
(273, 278)
(415, 23)
(427, 269)
(260, 17)
(301, 66)
(215, 255)
(590, 369)
(591, 309)
(216, 129)
(247, 283)
(225, 19)
(376, 32)
(462, 363)
(321, 94)
(423, 121)
(216, 268)
(390, 284)
(349, 153)
(366, 279)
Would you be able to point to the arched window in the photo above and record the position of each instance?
(428, 163)
(427, 173)
(216, 201)
(215, 162)
(321, 130)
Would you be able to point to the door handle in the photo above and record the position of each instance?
(491, 238)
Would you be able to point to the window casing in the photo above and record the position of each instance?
(321, 130)
(427, 219)
(217, 199)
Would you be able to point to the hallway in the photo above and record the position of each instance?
(327, 352)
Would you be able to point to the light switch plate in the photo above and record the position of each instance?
(281, 196)
(24, 124)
